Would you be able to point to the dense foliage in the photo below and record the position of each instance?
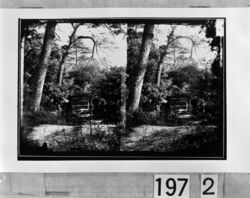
(102, 85)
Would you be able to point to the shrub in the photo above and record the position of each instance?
(42, 117)
(141, 117)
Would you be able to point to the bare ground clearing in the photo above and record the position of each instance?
(168, 139)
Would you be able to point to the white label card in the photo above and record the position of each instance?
(209, 186)
(171, 186)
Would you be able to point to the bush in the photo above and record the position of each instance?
(152, 95)
(41, 117)
(53, 96)
(107, 96)
(141, 117)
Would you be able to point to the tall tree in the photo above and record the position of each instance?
(163, 55)
(42, 67)
(23, 38)
(66, 52)
(139, 72)
(172, 43)
(217, 66)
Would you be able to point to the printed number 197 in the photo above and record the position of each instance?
(171, 186)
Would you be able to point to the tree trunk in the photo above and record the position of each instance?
(65, 54)
(159, 70)
(60, 72)
(123, 100)
(138, 76)
(36, 97)
(61, 69)
(174, 57)
(76, 55)
(160, 63)
(21, 86)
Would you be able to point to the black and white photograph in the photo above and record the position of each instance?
(122, 88)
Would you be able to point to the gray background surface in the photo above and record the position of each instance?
(121, 3)
(109, 185)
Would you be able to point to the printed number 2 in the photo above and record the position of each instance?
(210, 183)
(173, 186)
(209, 186)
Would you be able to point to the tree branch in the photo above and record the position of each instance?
(110, 30)
(189, 38)
(93, 48)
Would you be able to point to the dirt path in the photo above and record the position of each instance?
(167, 139)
